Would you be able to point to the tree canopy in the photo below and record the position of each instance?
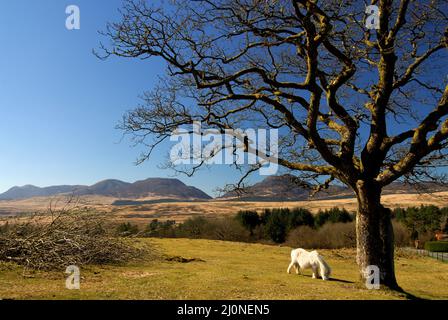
(352, 103)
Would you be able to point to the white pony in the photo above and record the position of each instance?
(302, 259)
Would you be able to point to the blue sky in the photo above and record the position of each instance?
(60, 104)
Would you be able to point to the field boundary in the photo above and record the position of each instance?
(442, 256)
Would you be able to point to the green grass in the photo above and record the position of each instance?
(229, 271)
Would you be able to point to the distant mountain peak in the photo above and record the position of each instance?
(160, 187)
(27, 186)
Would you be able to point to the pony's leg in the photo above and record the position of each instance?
(290, 267)
(297, 268)
(323, 272)
(315, 274)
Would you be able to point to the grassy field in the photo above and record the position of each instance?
(224, 270)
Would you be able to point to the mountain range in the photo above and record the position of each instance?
(285, 188)
(273, 188)
(152, 187)
(290, 188)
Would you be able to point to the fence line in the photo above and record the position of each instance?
(442, 256)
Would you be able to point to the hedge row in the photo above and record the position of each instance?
(437, 246)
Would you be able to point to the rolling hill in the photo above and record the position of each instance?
(285, 188)
(290, 188)
(152, 187)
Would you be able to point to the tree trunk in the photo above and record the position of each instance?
(374, 234)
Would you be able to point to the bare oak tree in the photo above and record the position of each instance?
(364, 107)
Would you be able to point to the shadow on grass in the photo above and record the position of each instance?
(406, 294)
(340, 280)
(331, 279)
(398, 290)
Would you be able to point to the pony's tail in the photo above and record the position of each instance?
(325, 270)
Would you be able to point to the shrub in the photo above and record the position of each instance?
(398, 214)
(266, 214)
(445, 228)
(4, 228)
(420, 220)
(401, 235)
(248, 219)
(333, 215)
(304, 237)
(276, 226)
(339, 215)
(330, 236)
(260, 233)
(444, 212)
(126, 229)
(425, 237)
(278, 222)
(301, 217)
(437, 246)
(164, 229)
(228, 229)
(321, 218)
(195, 228)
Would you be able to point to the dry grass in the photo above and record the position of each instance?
(181, 211)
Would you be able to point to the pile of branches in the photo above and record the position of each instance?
(55, 240)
